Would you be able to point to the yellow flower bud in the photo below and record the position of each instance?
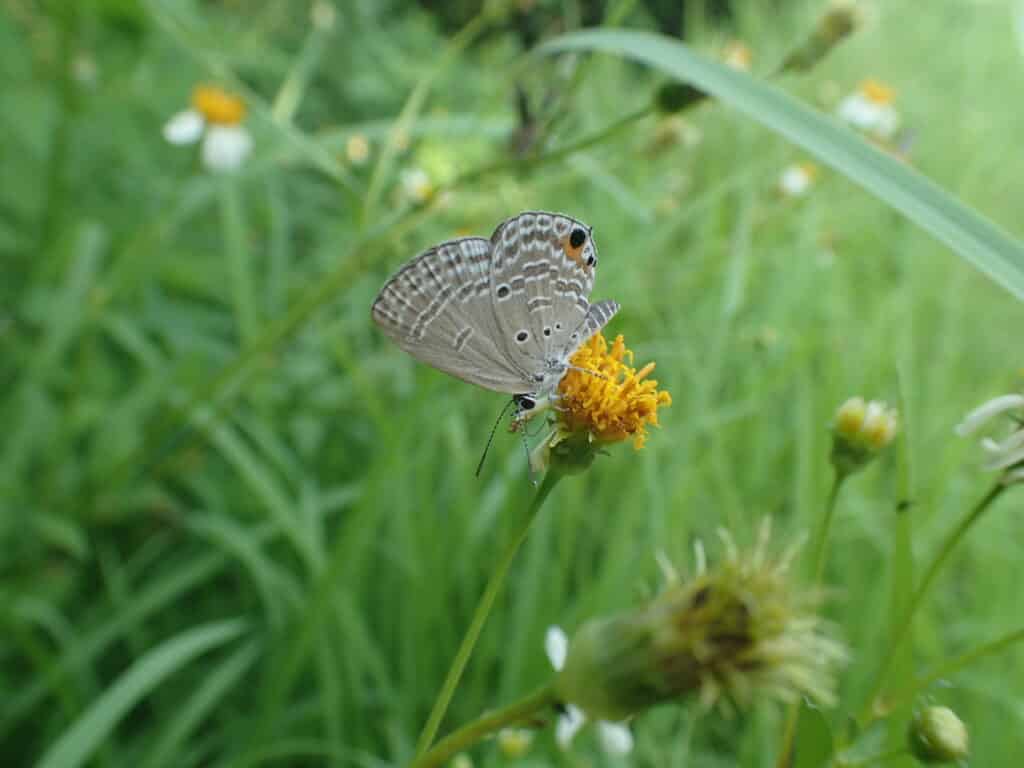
(860, 430)
(514, 742)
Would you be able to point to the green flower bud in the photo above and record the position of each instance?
(840, 21)
(514, 742)
(937, 735)
(860, 431)
(728, 635)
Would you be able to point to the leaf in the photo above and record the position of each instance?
(978, 240)
(812, 746)
(77, 743)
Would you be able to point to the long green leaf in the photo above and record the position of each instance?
(79, 741)
(972, 236)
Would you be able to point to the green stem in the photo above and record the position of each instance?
(903, 630)
(821, 541)
(483, 609)
(483, 726)
(889, 754)
(531, 163)
(818, 568)
(953, 666)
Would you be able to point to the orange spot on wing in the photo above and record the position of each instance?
(576, 254)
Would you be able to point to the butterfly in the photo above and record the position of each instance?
(505, 313)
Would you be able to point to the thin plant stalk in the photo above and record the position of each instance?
(903, 630)
(488, 723)
(483, 610)
(817, 569)
(821, 540)
(953, 666)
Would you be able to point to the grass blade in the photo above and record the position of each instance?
(77, 743)
(978, 240)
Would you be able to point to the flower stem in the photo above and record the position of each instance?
(881, 757)
(952, 666)
(483, 609)
(821, 540)
(818, 568)
(486, 724)
(903, 630)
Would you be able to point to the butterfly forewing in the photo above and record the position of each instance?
(438, 308)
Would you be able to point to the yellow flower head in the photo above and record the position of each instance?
(877, 92)
(218, 107)
(608, 398)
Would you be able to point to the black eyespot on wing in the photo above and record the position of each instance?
(558, 326)
(547, 331)
(502, 291)
(577, 238)
(522, 336)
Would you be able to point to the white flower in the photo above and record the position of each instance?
(215, 117)
(796, 179)
(416, 185)
(1003, 454)
(615, 738)
(870, 109)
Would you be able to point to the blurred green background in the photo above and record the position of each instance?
(240, 527)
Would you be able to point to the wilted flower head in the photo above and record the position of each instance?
(215, 116)
(937, 735)
(732, 633)
(1006, 454)
(871, 108)
(615, 738)
(860, 431)
(601, 400)
(797, 179)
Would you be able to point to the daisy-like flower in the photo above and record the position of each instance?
(216, 118)
(871, 108)
(416, 185)
(615, 738)
(795, 180)
(736, 632)
(860, 431)
(737, 55)
(604, 396)
(1007, 453)
(601, 400)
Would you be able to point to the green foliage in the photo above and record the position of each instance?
(238, 527)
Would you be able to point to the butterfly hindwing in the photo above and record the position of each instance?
(542, 273)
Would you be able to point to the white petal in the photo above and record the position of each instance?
(226, 147)
(184, 128)
(568, 725)
(557, 646)
(886, 122)
(794, 181)
(857, 111)
(1007, 459)
(616, 738)
(993, 407)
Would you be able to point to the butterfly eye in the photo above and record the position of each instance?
(591, 260)
(577, 238)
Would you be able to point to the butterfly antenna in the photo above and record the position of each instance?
(490, 439)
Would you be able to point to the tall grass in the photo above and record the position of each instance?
(241, 528)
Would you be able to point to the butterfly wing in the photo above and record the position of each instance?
(542, 272)
(438, 308)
